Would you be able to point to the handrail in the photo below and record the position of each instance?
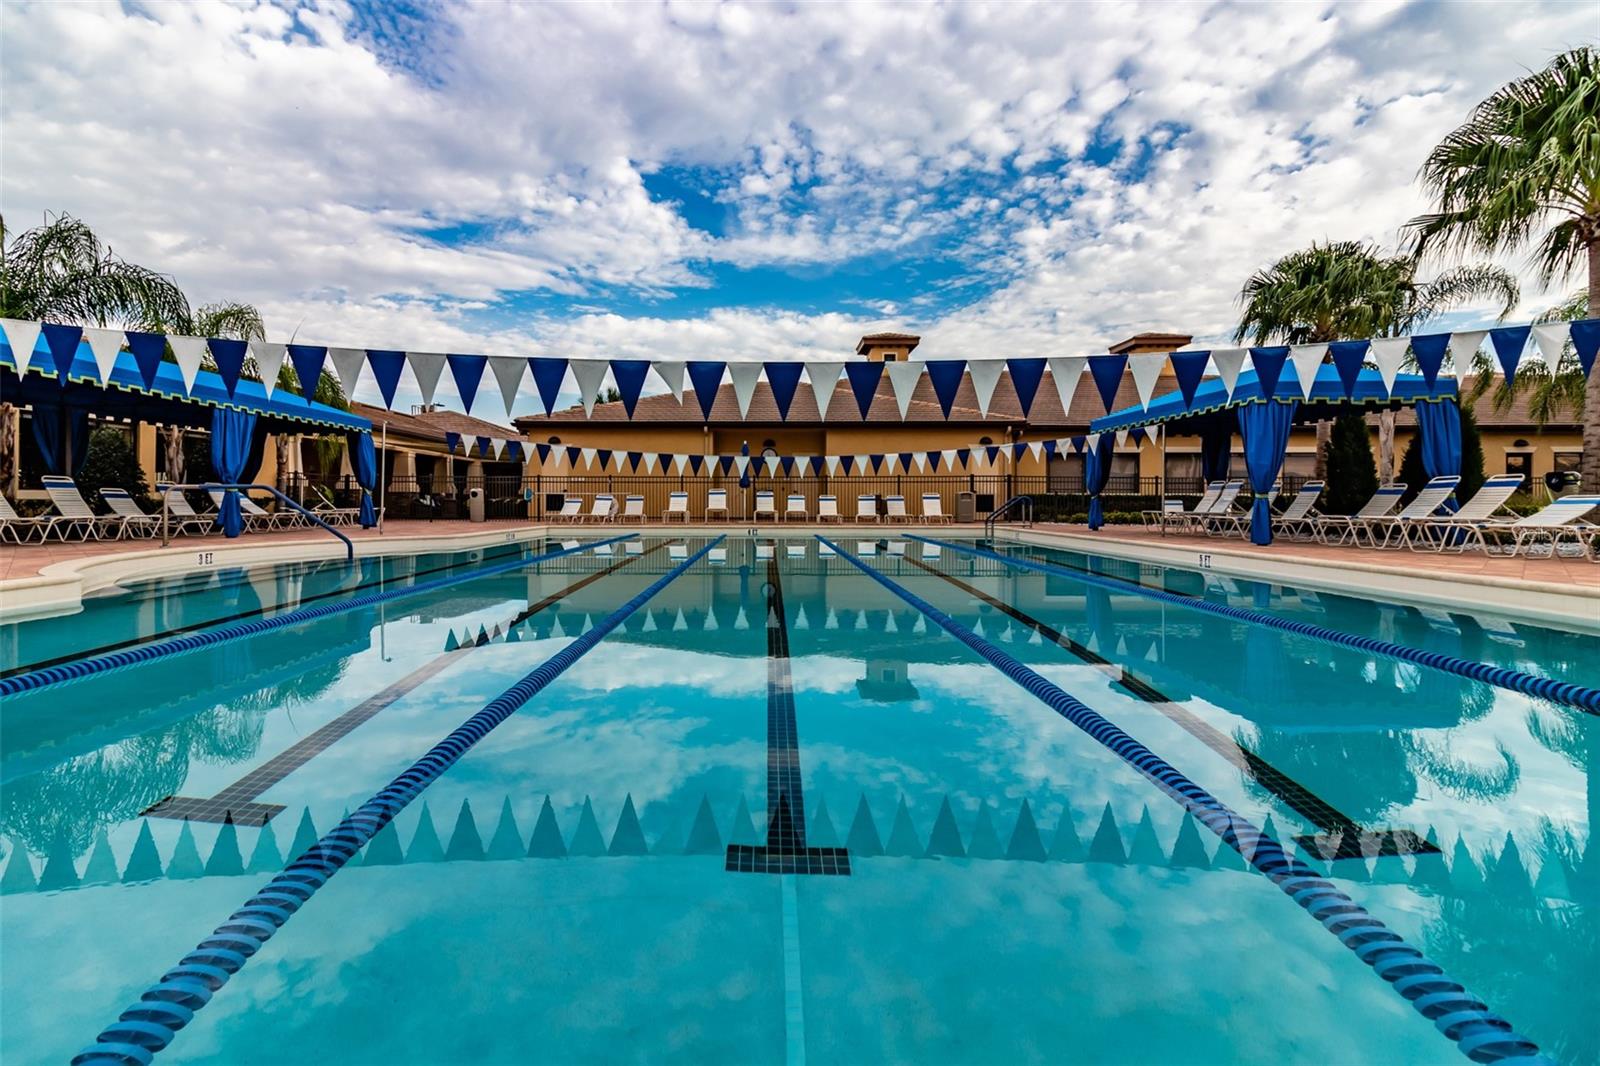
(1024, 502)
(167, 490)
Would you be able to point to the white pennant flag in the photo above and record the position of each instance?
(497, 445)
(1155, 433)
(861, 465)
(426, 366)
(104, 344)
(1463, 345)
(985, 375)
(772, 464)
(679, 461)
(189, 351)
(269, 360)
(1389, 353)
(1091, 443)
(832, 462)
(1066, 372)
(903, 377)
(1145, 369)
(347, 364)
(920, 461)
(588, 373)
(824, 377)
(744, 375)
(1122, 438)
(588, 456)
(649, 462)
(1306, 359)
(741, 463)
(1549, 337)
(1036, 447)
(671, 375)
(22, 336)
(1228, 361)
(509, 372)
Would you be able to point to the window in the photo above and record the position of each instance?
(1567, 460)
(891, 357)
(553, 440)
(985, 441)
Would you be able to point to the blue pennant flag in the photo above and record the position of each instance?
(604, 455)
(1508, 344)
(783, 378)
(946, 375)
(1138, 434)
(229, 356)
(547, 377)
(1107, 371)
(864, 379)
(963, 455)
(696, 462)
(574, 453)
(634, 459)
(467, 371)
(543, 451)
(787, 462)
(514, 450)
(452, 441)
(483, 446)
(1049, 450)
(1429, 351)
(630, 375)
(307, 360)
(877, 463)
(1018, 449)
(933, 461)
(706, 378)
(1347, 359)
(1585, 338)
(1268, 363)
(1189, 368)
(386, 369)
(63, 344)
(993, 452)
(147, 349)
(846, 463)
(905, 461)
(726, 462)
(1025, 377)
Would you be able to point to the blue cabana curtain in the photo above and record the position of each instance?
(48, 419)
(1265, 429)
(1439, 426)
(1096, 473)
(1216, 452)
(232, 435)
(365, 459)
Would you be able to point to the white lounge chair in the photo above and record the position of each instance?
(1385, 530)
(795, 507)
(717, 503)
(632, 509)
(182, 518)
(1435, 534)
(766, 506)
(764, 551)
(933, 509)
(1179, 519)
(81, 521)
(20, 530)
(1237, 523)
(677, 507)
(330, 512)
(1157, 519)
(866, 508)
(1559, 521)
(254, 517)
(795, 551)
(571, 510)
(1298, 520)
(1342, 527)
(1221, 517)
(135, 522)
(828, 509)
(603, 509)
(895, 509)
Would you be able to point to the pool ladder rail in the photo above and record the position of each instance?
(168, 490)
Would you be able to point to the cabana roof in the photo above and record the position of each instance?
(165, 400)
(1327, 393)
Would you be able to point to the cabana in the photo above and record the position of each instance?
(1263, 419)
(240, 420)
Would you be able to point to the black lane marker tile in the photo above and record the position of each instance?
(195, 627)
(1341, 837)
(236, 800)
(785, 851)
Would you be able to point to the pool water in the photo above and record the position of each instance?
(927, 861)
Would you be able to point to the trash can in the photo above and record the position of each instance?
(475, 505)
(1562, 482)
(966, 507)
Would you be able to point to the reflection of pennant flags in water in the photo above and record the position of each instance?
(386, 367)
(945, 375)
(1026, 374)
(864, 378)
(783, 379)
(1107, 374)
(649, 621)
(1347, 359)
(629, 375)
(1509, 341)
(1188, 368)
(710, 624)
(680, 624)
(466, 371)
(706, 377)
(832, 621)
(548, 374)
(426, 367)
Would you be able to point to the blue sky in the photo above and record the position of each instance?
(728, 180)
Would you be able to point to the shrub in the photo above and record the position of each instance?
(1352, 473)
(1413, 475)
(111, 462)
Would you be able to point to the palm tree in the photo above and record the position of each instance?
(1347, 290)
(62, 272)
(1525, 169)
(1553, 393)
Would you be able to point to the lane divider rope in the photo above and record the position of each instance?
(34, 680)
(1479, 1033)
(149, 1025)
(1566, 693)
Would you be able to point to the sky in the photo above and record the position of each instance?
(727, 181)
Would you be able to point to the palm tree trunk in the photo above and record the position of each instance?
(1324, 436)
(1385, 446)
(1589, 463)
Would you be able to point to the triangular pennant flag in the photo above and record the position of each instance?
(548, 374)
(783, 379)
(1464, 345)
(1146, 369)
(1228, 361)
(945, 375)
(426, 368)
(307, 360)
(147, 349)
(543, 451)
(629, 374)
(744, 375)
(788, 465)
(650, 460)
(847, 463)
(933, 461)
(386, 367)
(696, 464)
(726, 462)
(1549, 337)
(483, 445)
(864, 378)
(467, 371)
(634, 458)
(1107, 371)
(508, 374)
(903, 378)
(1347, 359)
(824, 378)
(498, 445)
(1025, 377)
(22, 337)
(588, 374)
(1306, 358)
(1389, 353)
(1188, 368)
(1509, 341)
(1122, 437)
(671, 374)
(991, 453)
(1066, 372)
(190, 351)
(1035, 447)
(680, 461)
(706, 376)
(832, 462)
(104, 344)
(269, 360)
(347, 364)
(588, 455)
(63, 344)
(1268, 364)
(962, 455)
(985, 375)
(1586, 340)
(228, 355)
(452, 441)
(573, 454)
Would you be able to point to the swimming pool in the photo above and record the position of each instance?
(770, 798)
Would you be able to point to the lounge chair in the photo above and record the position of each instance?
(1232, 523)
(766, 506)
(332, 513)
(895, 508)
(1454, 532)
(182, 518)
(254, 517)
(1557, 522)
(1386, 530)
(795, 551)
(717, 502)
(1180, 520)
(866, 547)
(1343, 527)
(828, 509)
(20, 530)
(1221, 517)
(603, 509)
(632, 509)
(866, 508)
(796, 507)
(1298, 520)
(1157, 519)
(571, 510)
(764, 551)
(933, 509)
(677, 507)
(80, 519)
(135, 522)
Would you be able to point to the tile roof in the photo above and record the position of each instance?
(433, 425)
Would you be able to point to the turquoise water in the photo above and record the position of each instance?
(1016, 891)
